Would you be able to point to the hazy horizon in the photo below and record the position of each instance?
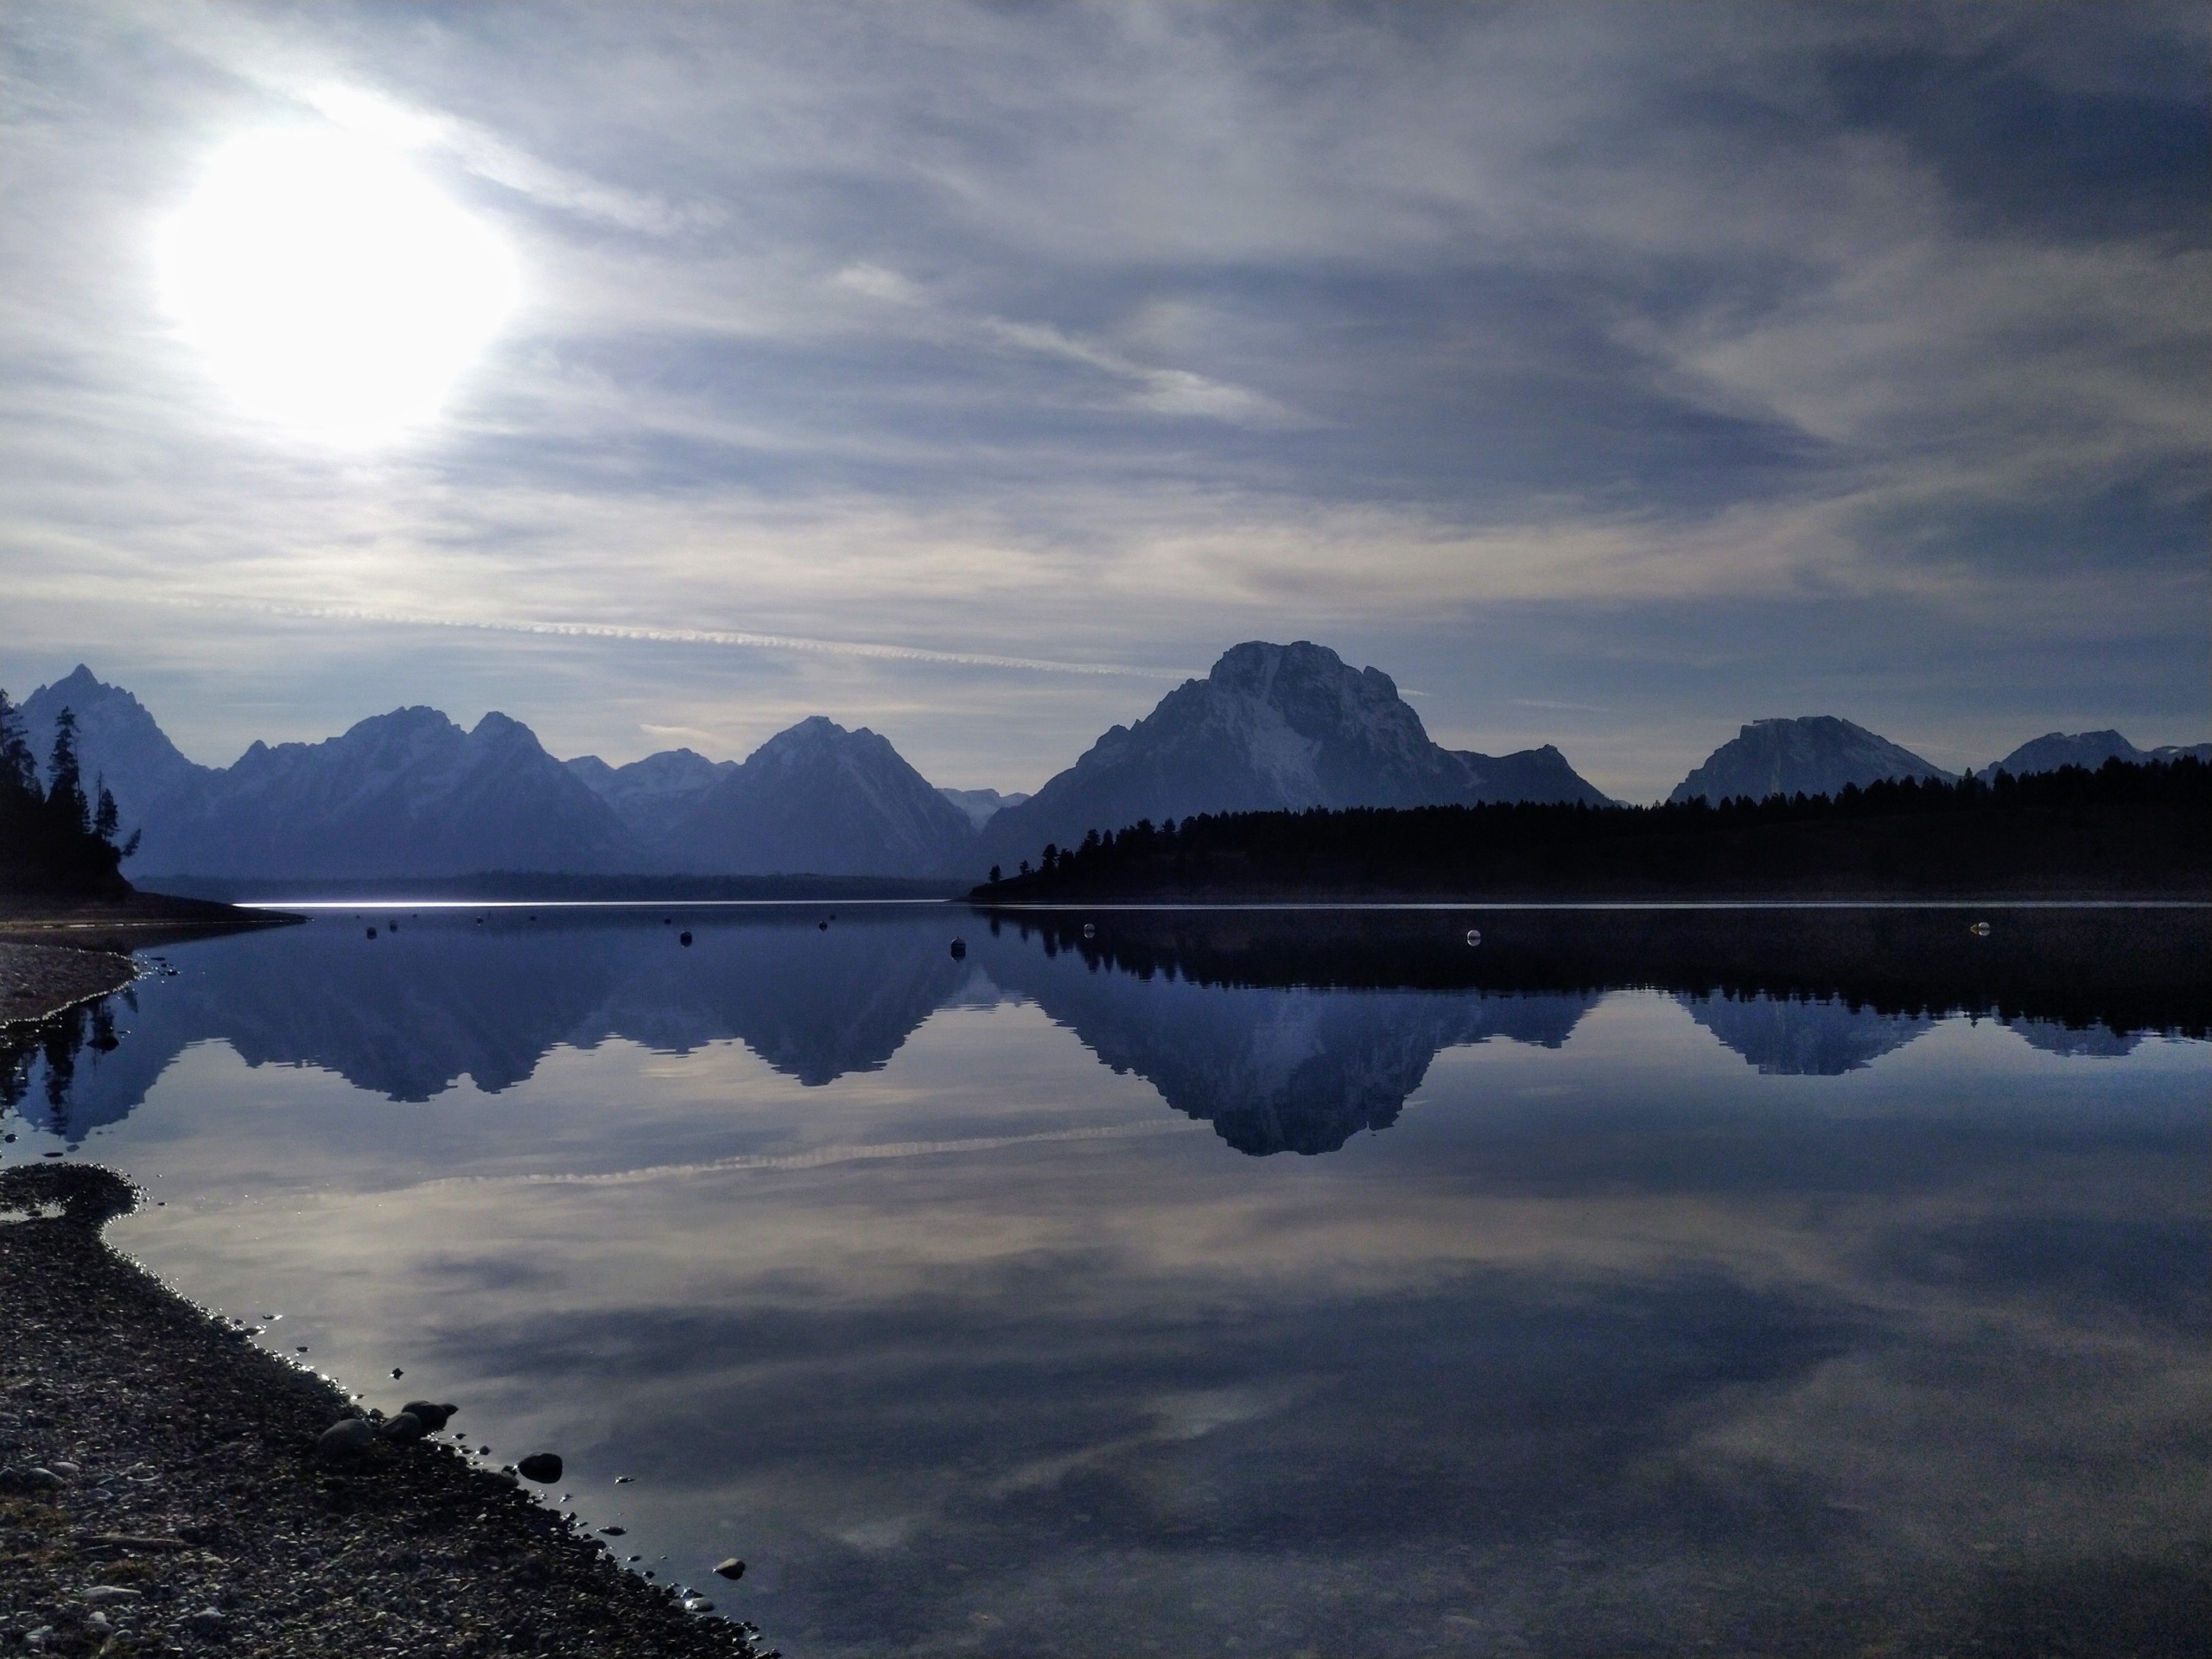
(1609, 376)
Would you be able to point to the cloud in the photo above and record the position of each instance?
(1160, 390)
(1655, 354)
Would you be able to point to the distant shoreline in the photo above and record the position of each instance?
(1323, 901)
(551, 886)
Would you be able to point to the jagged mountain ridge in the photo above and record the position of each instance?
(822, 799)
(119, 741)
(406, 794)
(2087, 749)
(1814, 754)
(1271, 728)
(981, 804)
(651, 795)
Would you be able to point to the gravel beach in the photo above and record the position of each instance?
(40, 980)
(160, 1490)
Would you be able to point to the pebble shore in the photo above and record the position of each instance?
(160, 1492)
(40, 980)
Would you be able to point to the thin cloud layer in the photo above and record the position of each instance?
(1650, 368)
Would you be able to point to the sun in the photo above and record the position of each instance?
(332, 290)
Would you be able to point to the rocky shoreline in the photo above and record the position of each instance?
(160, 1490)
(40, 980)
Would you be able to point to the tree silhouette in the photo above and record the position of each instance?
(53, 839)
(18, 766)
(65, 789)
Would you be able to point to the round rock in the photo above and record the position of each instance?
(345, 1441)
(732, 1569)
(406, 1428)
(544, 1467)
(432, 1415)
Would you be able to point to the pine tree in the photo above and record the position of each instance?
(64, 788)
(18, 766)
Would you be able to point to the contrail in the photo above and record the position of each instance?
(739, 638)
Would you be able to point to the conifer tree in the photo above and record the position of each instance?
(64, 788)
(18, 766)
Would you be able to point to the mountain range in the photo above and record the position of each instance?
(2088, 749)
(1816, 755)
(1271, 727)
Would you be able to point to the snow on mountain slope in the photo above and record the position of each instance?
(118, 744)
(2087, 749)
(1817, 754)
(651, 795)
(980, 804)
(406, 794)
(820, 800)
(1270, 728)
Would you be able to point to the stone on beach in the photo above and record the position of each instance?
(432, 1415)
(544, 1467)
(405, 1429)
(199, 1476)
(346, 1440)
(732, 1569)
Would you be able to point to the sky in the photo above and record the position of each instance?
(1610, 375)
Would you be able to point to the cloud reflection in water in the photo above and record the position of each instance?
(1611, 1341)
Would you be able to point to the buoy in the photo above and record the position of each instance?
(1089, 931)
(372, 932)
(959, 949)
(684, 938)
(824, 926)
(1979, 930)
(1474, 935)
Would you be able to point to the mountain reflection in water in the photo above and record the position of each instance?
(1790, 1285)
(1252, 1024)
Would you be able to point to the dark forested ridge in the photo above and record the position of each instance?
(58, 837)
(2138, 830)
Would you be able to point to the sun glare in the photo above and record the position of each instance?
(332, 288)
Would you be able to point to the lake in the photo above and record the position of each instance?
(1259, 1282)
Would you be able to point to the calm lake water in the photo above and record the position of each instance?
(1240, 1283)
